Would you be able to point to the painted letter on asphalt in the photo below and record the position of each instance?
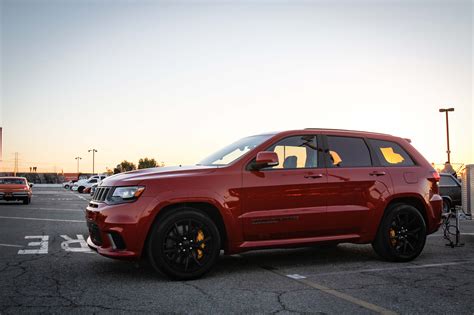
(80, 240)
(43, 245)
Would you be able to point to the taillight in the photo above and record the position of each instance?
(435, 175)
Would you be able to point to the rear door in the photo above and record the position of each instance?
(356, 187)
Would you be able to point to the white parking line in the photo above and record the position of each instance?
(45, 209)
(41, 219)
(453, 263)
(79, 196)
(10, 245)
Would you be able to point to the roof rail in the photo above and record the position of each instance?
(335, 129)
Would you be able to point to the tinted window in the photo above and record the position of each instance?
(296, 152)
(391, 154)
(348, 152)
(12, 181)
(447, 181)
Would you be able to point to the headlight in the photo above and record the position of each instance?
(125, 194)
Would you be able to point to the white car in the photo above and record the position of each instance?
(69, 184)
(80, 185)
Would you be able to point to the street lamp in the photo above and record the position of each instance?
(93, 159)
(78, 158)
(447, 110)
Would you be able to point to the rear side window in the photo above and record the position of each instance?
(390, 153)
(348, 152)
(447, 181)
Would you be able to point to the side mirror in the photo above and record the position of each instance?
(30, 184)
(265, 159)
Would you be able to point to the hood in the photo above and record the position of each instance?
(135, 177)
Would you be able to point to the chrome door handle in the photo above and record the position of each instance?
(314, 176)
(377, 173)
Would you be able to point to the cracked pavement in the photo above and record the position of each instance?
(440, 281)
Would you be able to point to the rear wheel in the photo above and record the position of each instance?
(80, 189)
(26, 201)
(401, 235)
(184, 245)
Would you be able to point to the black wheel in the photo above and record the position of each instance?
(401, 235)
(446, 206)
(66, 186)
(184, 244)
(81, 189)
(26, 201)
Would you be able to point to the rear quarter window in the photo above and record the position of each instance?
(390, 153)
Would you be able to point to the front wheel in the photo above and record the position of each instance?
(401, 235)
(80, 189)
(27, 201)
(184, 245)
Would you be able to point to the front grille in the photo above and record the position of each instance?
(101, 193)
(94, 232)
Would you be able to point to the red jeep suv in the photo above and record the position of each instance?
(285, 189)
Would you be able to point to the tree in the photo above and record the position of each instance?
(124, 166)
(147, 163)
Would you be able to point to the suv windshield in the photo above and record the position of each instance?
(234, 151)
(12, 181)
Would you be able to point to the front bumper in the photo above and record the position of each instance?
(118, 231)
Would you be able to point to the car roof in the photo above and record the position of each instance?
(12, 177)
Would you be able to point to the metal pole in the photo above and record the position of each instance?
(447, 137)
(93, 159)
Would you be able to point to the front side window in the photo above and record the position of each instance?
(348, 152)
(234, 151)
(390, 153)
(296, 152)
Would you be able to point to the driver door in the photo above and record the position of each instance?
(287, 200)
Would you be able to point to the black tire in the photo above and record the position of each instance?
(66, 187)
(446, 205)
(27, 201)
(80, 189)
(174, 246)
(401, 235)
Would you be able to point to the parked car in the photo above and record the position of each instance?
(69, 184)
(15, 189)
(93, 188)
(285, 189)
(450, 190)
(80, 185)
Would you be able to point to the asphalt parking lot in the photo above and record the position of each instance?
(60, 274)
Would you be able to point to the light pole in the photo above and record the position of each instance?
(93, 159)
(78, 158)
(447, 110)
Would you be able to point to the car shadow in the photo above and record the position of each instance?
(253, 261)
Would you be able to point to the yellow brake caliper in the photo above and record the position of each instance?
(393, 239)
(199, 238)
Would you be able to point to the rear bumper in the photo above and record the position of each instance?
(434, 213)
(15, 195)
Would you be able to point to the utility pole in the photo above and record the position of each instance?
(78, 158)
(15, 168)
(447, 110)
(93, 159)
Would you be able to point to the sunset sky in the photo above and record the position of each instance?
(178, 80)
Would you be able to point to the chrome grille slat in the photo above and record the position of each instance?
(100, 194)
